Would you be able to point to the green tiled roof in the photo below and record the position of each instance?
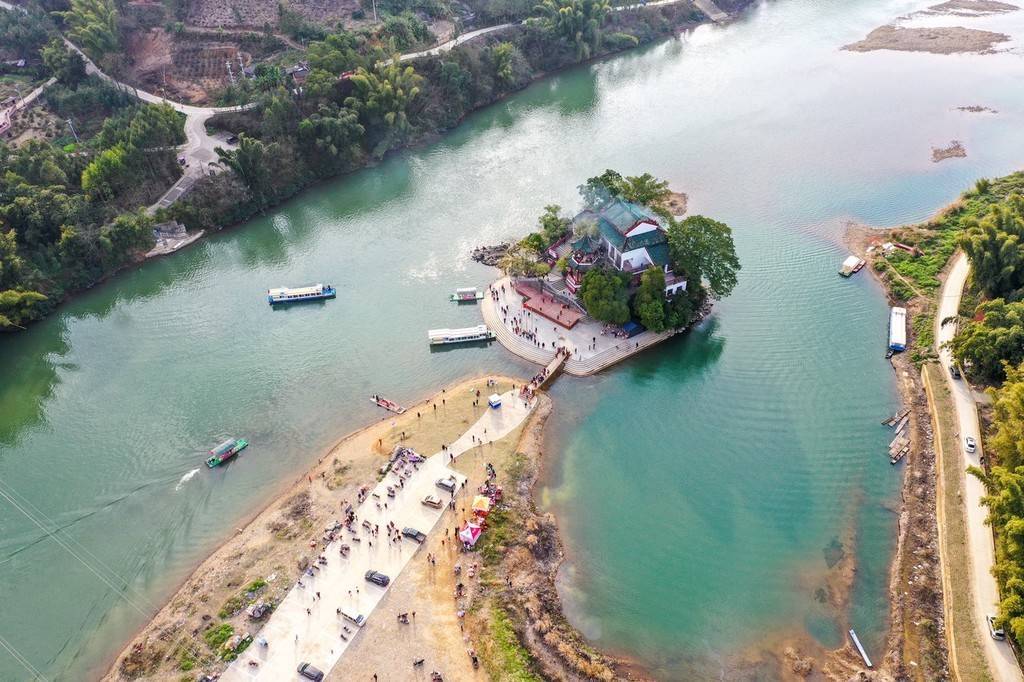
(624, 214)
(609, 232)
(659, 253)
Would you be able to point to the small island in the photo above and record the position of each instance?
(620, 276)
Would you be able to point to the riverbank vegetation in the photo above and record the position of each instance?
(69, 203)
(989, 348)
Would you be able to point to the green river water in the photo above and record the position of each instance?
(698, 485)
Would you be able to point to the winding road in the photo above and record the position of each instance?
(1001, 661)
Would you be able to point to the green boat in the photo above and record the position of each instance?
(225, 451)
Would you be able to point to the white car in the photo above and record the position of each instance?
(970, 445)
(433, 501)
(997, 633)
(447, 483)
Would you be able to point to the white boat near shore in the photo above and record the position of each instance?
(444, 336)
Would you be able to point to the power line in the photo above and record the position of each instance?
(70, 551)
(21, 659)
(56, 528)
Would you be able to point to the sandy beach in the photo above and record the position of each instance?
(271, 547)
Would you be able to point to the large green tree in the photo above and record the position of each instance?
(579, 22)
(249, 161)
(384, 98)
(994, 337)
(604, 294)
(649, 301)
(703, 250)
(92, 26)
(332, 135)
(64, 64)
(995, 246)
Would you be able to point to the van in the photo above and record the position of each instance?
(355, 618)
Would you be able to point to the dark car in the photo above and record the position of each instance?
(233, 139)
(309, 672)
(414, 534)
(377, 578)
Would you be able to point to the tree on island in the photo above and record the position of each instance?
(552, 228)
(703, 250)
(645, 190)
(649, 302)
(605, 294)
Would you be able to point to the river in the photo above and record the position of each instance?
(699, 485)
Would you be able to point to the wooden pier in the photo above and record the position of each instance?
(900, 445)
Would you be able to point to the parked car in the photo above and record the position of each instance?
(377, 578)
(233, 139)
(954, 369)
(414, 534)
(970, 445)
(433, 501)
(997, 633)
(448, 483)
(310, 673)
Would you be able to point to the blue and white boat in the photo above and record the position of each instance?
(310, 292)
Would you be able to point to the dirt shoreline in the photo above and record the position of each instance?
(917, 645)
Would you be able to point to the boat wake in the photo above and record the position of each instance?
(186, 478)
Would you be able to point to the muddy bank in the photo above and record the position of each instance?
(916, 647)
(939, 40)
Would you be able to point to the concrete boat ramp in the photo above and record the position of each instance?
(304, 628)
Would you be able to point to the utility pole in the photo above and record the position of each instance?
(241, 66)
(231, 75)
(73, 131)
(375, 11)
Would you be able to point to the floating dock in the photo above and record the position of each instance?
(851, 265)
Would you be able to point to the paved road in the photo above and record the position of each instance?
(295, 635)
(1001, 661)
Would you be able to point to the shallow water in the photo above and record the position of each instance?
(700, 483)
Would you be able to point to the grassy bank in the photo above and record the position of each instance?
(967, 659)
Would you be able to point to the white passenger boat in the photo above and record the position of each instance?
(466, 294)
(310, 292)
(443, 336)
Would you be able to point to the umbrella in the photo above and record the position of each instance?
(481, 504)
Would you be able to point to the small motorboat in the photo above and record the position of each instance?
(389, 405)
(225, 451)
(467, 295)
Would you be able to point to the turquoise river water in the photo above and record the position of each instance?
(698, 485)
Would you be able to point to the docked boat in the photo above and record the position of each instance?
(225, 451)
(851, 265)
(467, 294)
(443, 336)
(389, 405)
(898, 329)
(310, 292)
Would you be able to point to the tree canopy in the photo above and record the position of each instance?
(998, 337)
(995, 246)
(578, 22)
(703, 250)
(92, 26)
(1004, 484)
(604, 294)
